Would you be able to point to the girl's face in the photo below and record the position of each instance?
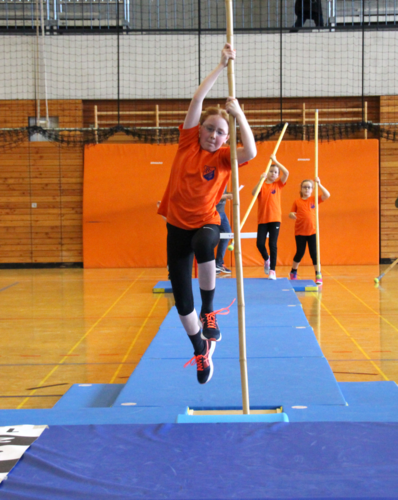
(213, 133)
(273, 173)
(306, 190)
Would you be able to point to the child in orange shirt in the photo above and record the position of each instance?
(303, 212)
(269, 214)
(199, 175)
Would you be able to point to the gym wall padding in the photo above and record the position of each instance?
(122, 184)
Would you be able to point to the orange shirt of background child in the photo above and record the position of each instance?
(269, 202)
(305, 213)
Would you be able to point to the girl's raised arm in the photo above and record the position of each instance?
(325, 193)
(248, 150)
(195, 108)
(282, 168)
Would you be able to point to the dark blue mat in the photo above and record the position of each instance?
(261, 342)
(211, 461)
(272, 382)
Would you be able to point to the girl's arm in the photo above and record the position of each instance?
(325, 193)
(262, 176)
(195, 108)
(248, 150)
(292, 215)
(284, 170)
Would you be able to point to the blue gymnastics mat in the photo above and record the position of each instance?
(305, 286)
(256, 288)
(162, 287)
(296, 285)
(257, 315)
(272, 382)
(210, 461)
(261, 342)
(89, 396)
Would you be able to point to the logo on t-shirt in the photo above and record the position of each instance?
(209, 172)
(273, 192)
(312, 205)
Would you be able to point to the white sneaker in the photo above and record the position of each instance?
(272, 275)
(267, 264)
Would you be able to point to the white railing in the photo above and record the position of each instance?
(194, 15)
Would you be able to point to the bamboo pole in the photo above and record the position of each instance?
(96, 123)
(386, 271)
(318, 251)
(260, 185)
(236, 218)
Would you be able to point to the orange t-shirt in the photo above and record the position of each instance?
(269, 202)
(196, 184)
(305, 213)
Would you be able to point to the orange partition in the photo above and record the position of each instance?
(122, 184)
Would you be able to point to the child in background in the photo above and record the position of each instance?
(224, 228)
(200, 171)
(269, 213)
(303, 212)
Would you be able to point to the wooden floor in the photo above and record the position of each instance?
(60, 327)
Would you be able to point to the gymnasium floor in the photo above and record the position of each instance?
(65, 326)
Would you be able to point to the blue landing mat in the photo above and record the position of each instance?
(253, 461)
(261, 342)
(272, 382)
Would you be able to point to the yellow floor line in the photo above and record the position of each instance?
(352, 339)
(364, 303)
(81, 339)
(136, 338)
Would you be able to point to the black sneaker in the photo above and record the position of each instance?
(210, 330)
(204, 363)
(218, 269)
(224, 270)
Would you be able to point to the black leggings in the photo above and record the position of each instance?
(182, 245)
(301, 242)
(273, 229)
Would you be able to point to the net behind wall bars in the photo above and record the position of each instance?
(136, 76)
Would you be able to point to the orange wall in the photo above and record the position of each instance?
(123, 182)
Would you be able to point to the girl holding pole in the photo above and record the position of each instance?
(303, 212)
(269, 213)
(200, 172)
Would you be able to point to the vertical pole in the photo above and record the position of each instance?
(366, 118)
(96, 123)
(236, 222)
(37, 66)
(43, 55)
(157, 121)
(318, 252)
(303, 121)
(118, 59)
